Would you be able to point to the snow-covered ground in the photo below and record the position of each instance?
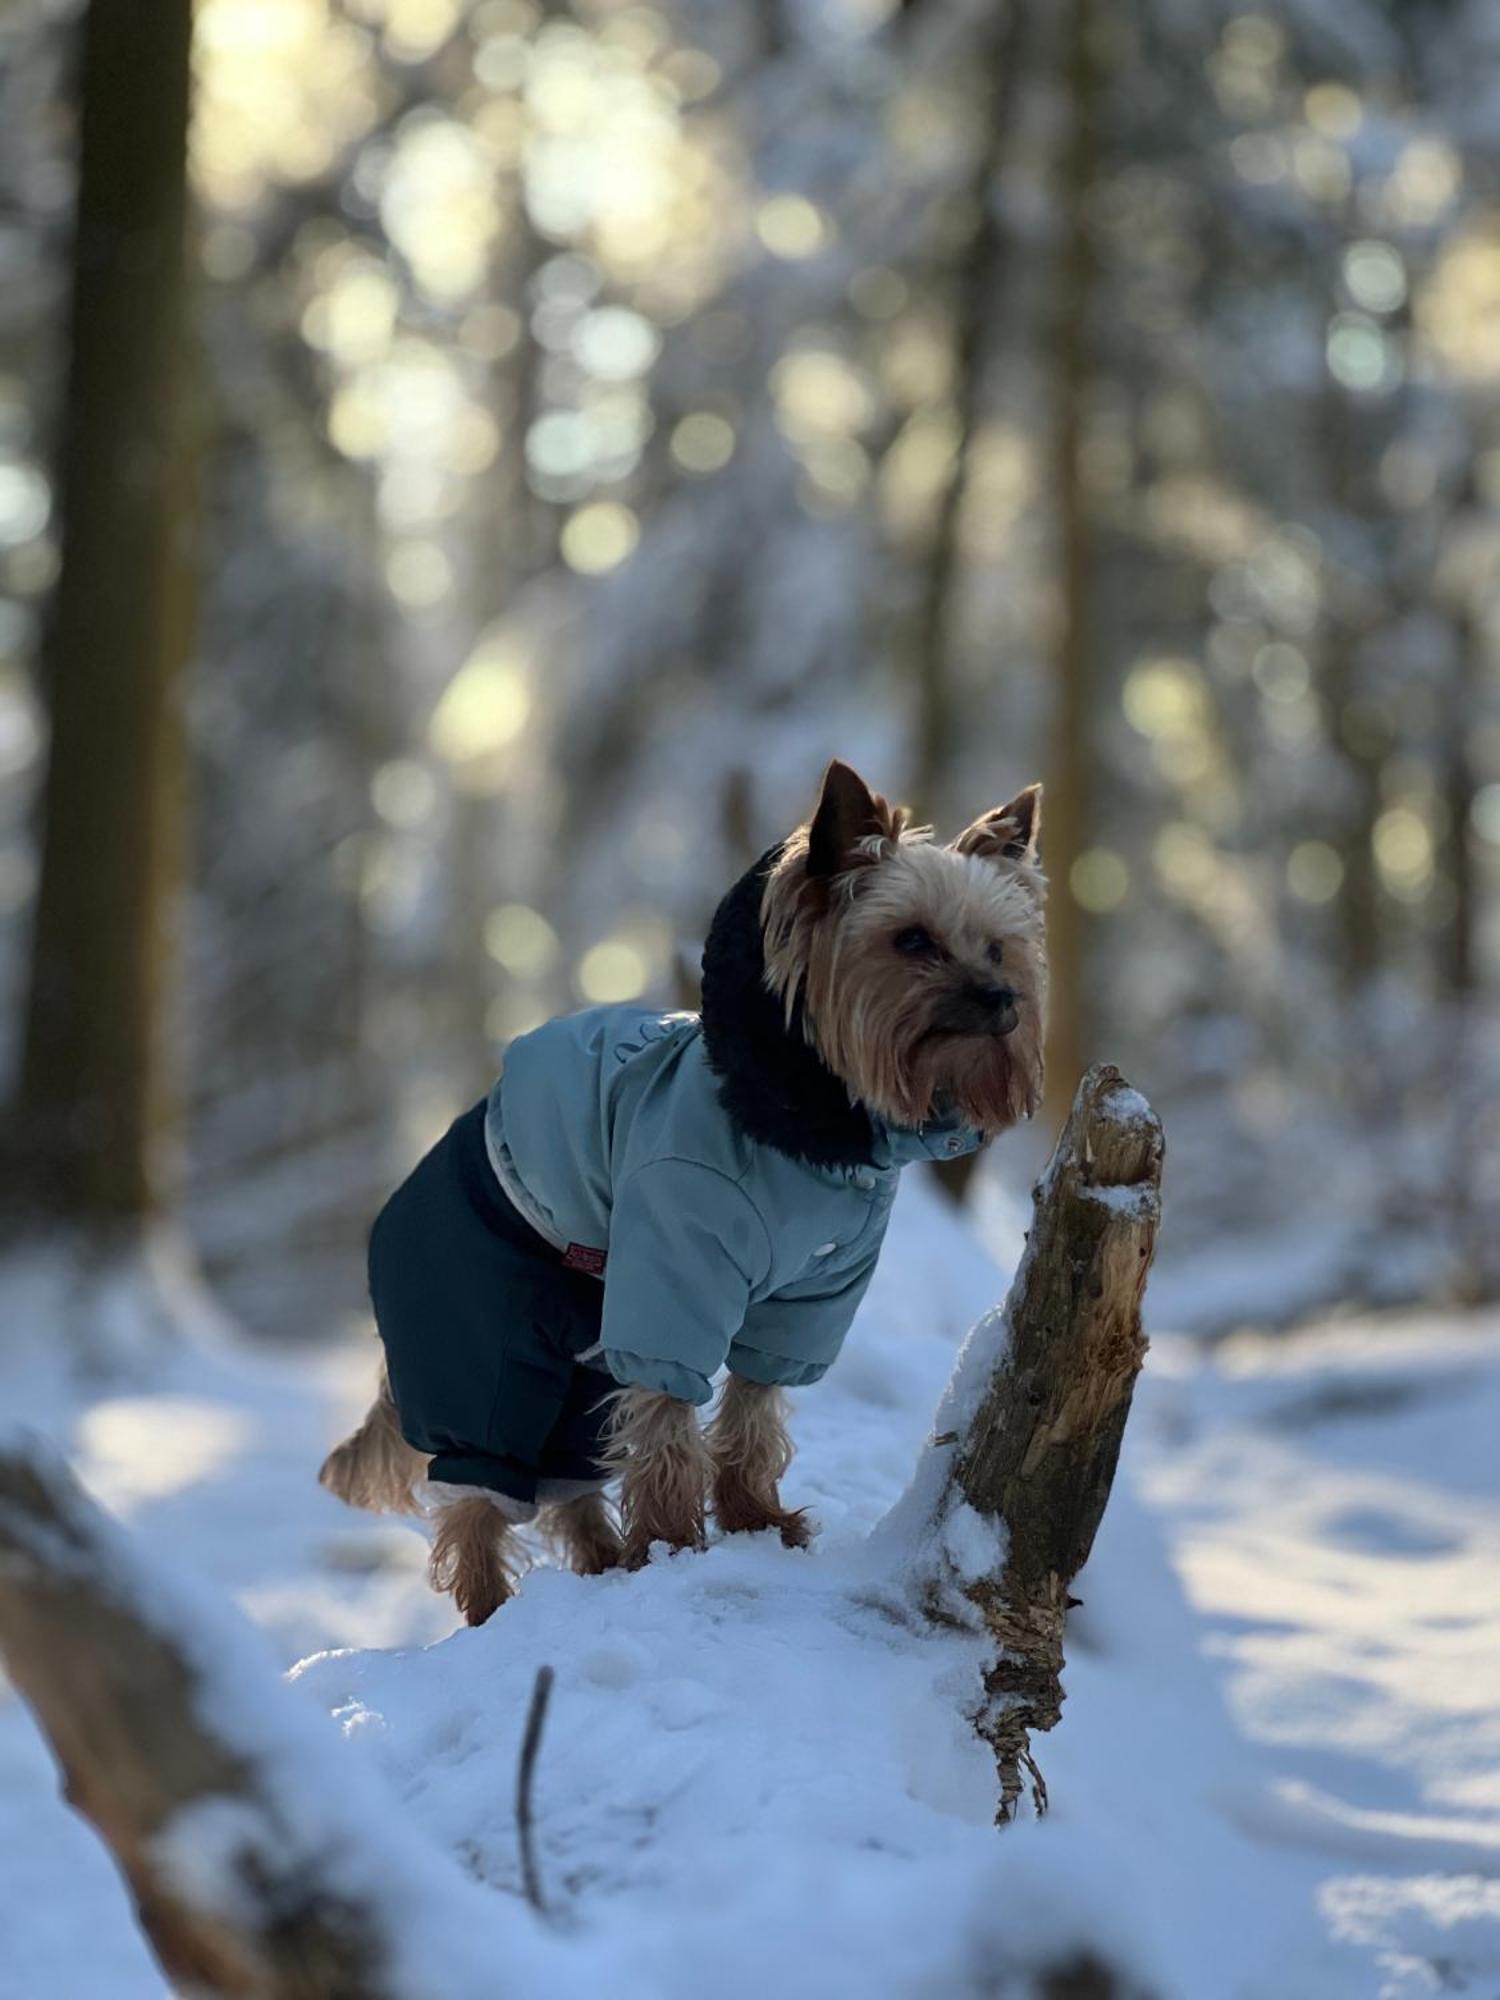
(1278, 1773)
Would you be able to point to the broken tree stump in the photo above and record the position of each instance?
(241, 1884)
(1037, 1409)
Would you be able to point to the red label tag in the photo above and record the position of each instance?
(584, 1257)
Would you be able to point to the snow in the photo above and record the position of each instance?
(974, 1545)
(1277, 1773)
(1138, 1204)
(1128, 1107)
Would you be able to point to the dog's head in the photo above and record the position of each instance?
(920, 971)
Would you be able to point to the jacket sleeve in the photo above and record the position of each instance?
(686, 1249)
(794, 1336)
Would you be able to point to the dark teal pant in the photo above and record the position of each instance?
(482, 1325)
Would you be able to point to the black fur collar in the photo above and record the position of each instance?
(776, 1088)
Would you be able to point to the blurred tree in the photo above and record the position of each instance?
(1072, 765)
(975, 283)
(86, 1126)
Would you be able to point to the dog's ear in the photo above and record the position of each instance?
(1009, 832)
(848, 813)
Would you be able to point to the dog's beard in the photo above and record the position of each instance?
(916, 1072)
(987, 1081)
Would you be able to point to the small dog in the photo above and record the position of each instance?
(643, 1198)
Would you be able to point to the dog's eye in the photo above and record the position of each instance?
(994, 952)
(914, 942)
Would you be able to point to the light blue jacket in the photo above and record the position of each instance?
(607, 1131)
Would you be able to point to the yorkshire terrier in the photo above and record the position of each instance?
(645, 1198)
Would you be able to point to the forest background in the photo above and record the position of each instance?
(458, 489)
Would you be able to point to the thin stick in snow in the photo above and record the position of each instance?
(531, 1743)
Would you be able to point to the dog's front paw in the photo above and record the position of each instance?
(796, 1528)
(664, 1469)
(636, 1549)
(739, 1510)
(750, 1449)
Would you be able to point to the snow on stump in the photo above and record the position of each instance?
(1029, 1432)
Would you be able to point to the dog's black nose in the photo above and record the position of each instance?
(978, 1010)
(998, 1004)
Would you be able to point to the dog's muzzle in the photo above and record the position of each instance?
(980, 1010)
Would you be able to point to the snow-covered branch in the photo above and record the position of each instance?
(258, 1862)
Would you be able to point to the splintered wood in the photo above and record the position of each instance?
(1041, 1450)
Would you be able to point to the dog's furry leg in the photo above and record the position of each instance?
(751, 1449)
(376, 1468)
(583, 1532)
(473, 1556)
(658, 1450)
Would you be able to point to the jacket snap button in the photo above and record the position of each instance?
(954, 1145)
(825, 1249)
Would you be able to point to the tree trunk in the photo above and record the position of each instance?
(1468, 1202)
(90, 1079)
(1360, 730)
(237, 1891)
(1037, 1457)
(1458, 959)
(1071, 765)
(978, 269)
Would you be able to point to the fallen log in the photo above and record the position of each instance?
(1029, 1433)
(189, 1760)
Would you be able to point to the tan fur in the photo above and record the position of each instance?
(657, 1448)
(473, 1557)
(584, 1534)
(375, 1467)
(873, 1014)
(750, 1447)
